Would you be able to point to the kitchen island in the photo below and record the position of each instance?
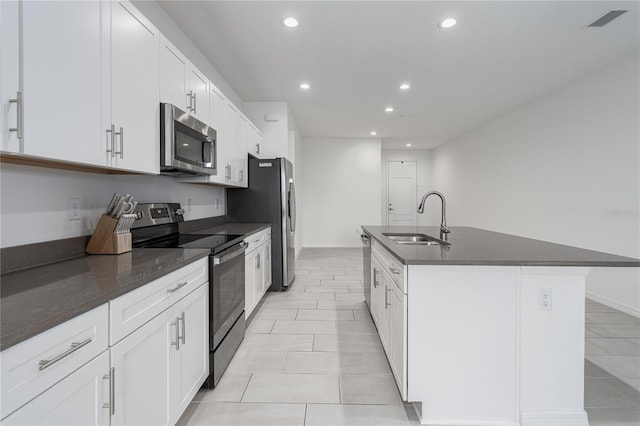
(487, 329)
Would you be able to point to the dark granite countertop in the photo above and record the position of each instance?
(473, 246)
(245, 229)
(36, 299)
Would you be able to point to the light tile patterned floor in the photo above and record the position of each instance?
(311, 356)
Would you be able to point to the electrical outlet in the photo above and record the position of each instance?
(544, 299)
(74, 208)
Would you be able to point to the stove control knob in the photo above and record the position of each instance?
(180, 211)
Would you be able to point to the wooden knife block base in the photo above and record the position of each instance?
(104, 241)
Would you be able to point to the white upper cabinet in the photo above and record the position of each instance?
(89, 93)
(62, 80)
(135, 103)
(182, 84)
(255, 141)
(217, 107)
(241, 150)
(10, 76)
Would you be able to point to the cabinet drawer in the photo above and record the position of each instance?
(391, 264)
(256, 240)
(33, 366)
(132, 310)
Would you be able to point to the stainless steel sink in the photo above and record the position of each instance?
(414, 239)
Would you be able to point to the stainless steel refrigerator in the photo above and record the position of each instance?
(270, 198)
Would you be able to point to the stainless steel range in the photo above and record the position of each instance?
(157, 227)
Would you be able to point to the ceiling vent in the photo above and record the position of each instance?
(606, 18)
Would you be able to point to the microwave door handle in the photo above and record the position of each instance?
(207, 146)
(226, 256)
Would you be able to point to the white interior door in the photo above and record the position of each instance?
(402, 193)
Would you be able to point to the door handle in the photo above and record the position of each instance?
(19, 126)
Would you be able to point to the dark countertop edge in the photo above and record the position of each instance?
(222, 229)
(8, 340)
(627, 263)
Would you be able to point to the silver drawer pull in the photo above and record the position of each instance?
(46, 363)
(112, 390)
(176, 288)
(394, 270)
(184, 329)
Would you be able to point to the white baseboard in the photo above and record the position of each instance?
(555, 418)
(613, 304)
(417, 406)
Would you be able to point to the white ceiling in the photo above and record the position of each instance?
(355, 53)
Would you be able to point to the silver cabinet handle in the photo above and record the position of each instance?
(195, 103)
(46, 363)
(184, 329)
(112, 130)
(376, 283)
(257, 148)
(19, 125)
(258, 261)
(177, 342)
(190, 97)
(176, 288)
(394, 270)
(241, 175)
(112, 390)
(386, 297)
(121, 134)
(228, 171)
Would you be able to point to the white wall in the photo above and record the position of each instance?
(340, 190)
(34, 200)
(565, 168)
(423, 158)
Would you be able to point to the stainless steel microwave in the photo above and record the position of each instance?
(187, 145)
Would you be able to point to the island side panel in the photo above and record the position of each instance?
(552, 346)
(462, 344)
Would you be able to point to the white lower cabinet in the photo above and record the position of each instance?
(389, 312)
(159, 367)
(142, 380)
(82, 399)
(257, 269)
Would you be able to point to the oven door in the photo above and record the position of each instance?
(227, 291)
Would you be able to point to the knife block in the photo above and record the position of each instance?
(104, 241)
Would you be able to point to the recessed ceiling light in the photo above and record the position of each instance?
(305, 86)
(404, 86)
(373, 133)
(408, 145)
(290, 22)
(388, 109)
(447, 23)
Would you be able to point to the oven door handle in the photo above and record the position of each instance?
(228, 255)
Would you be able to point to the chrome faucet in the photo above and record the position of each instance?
(444, 229)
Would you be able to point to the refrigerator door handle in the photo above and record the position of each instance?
(292, 205)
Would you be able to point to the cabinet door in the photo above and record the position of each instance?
(135, 99)
(398, 321)
(267, 266)
(249, 280)
(192, 357)
(9, 75)
(217, 107)
(143, 367)
(198, 86)
(173, 75)
(231, 143)
(377, 288)
(241, 150)
(258, 282)
(63, 76)
(78, 399)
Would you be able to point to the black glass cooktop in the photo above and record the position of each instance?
(192, 241)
